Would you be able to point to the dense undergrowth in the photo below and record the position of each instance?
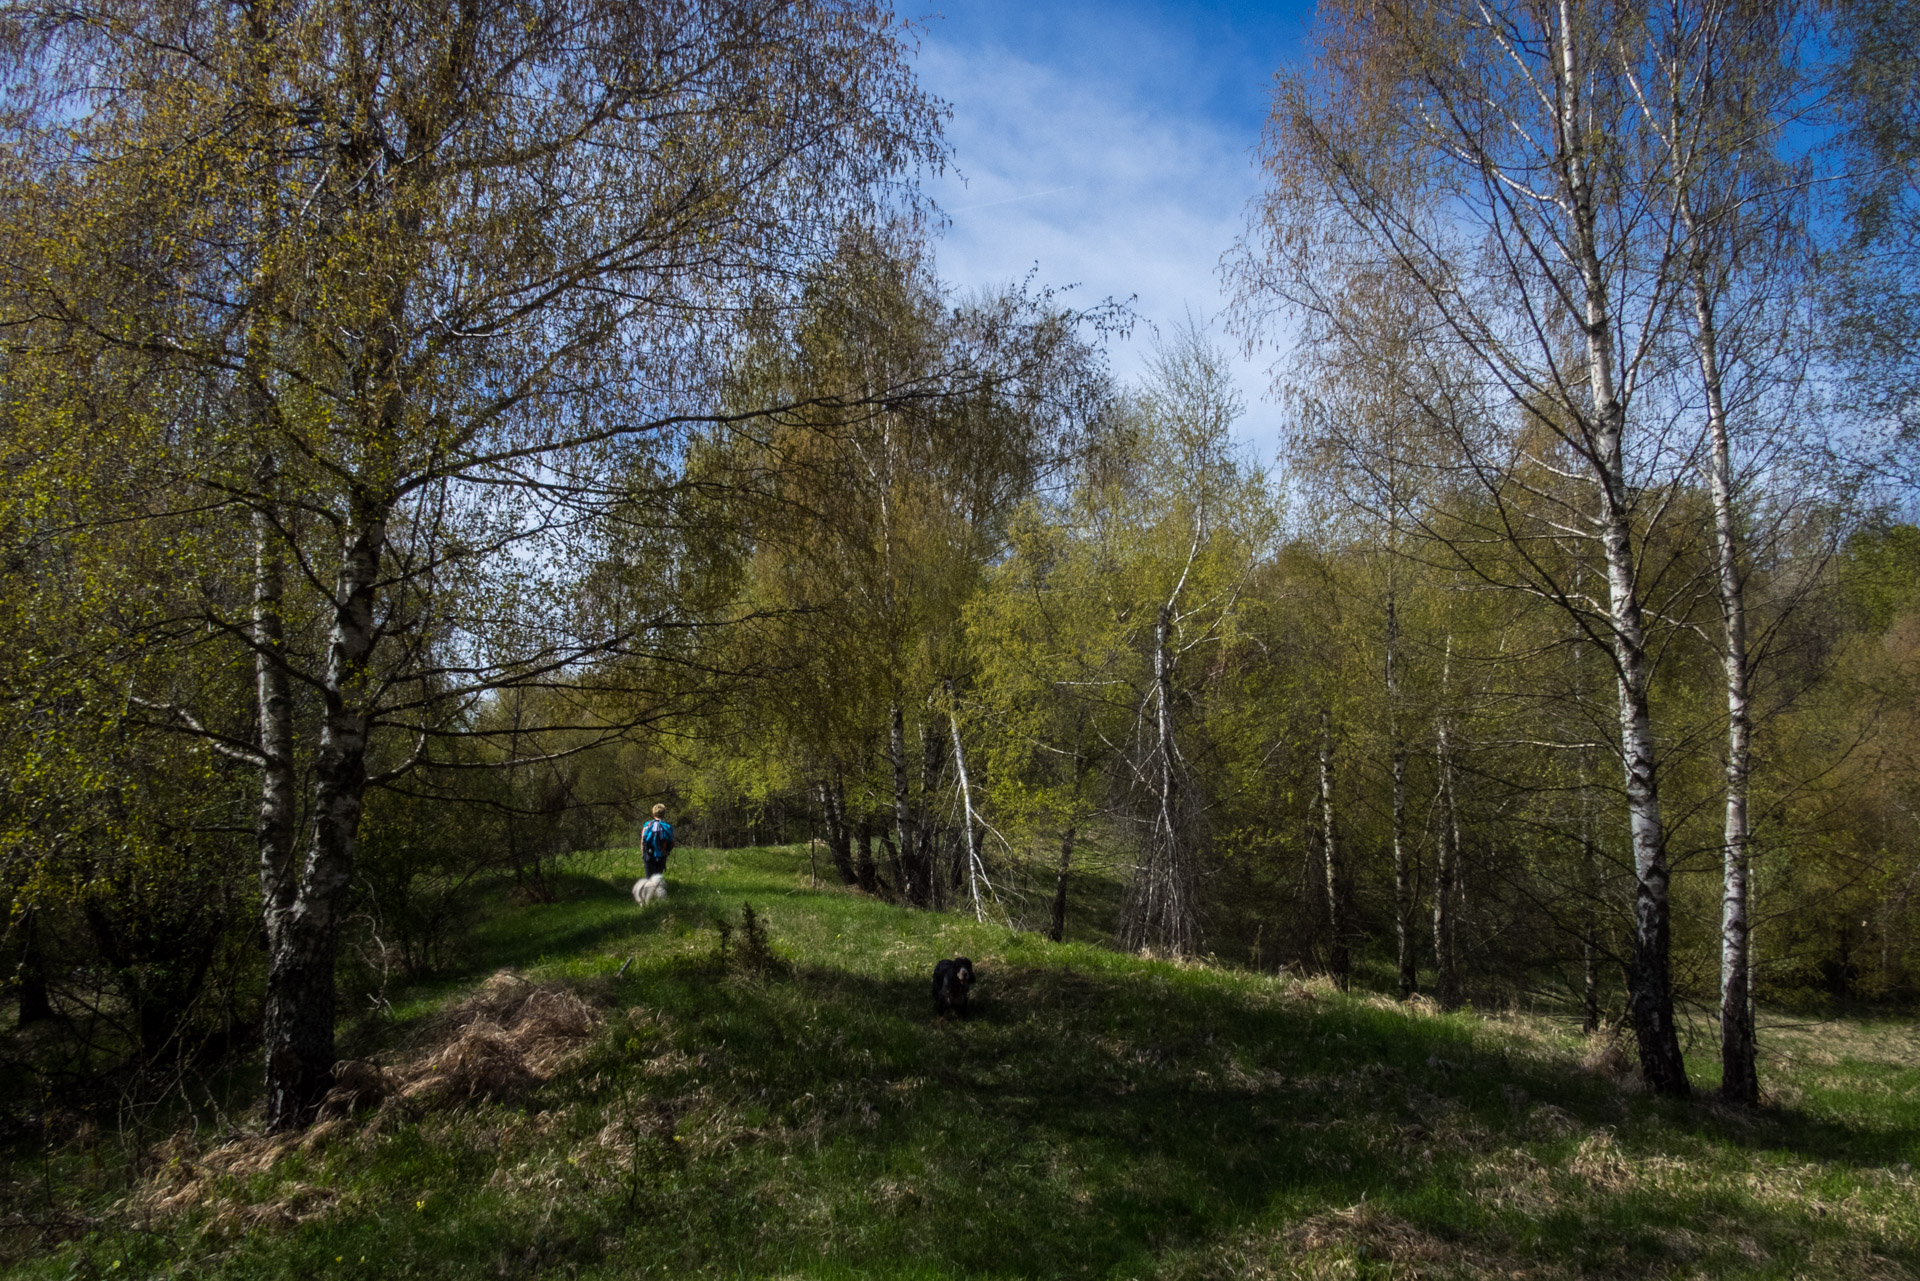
(624, 1104)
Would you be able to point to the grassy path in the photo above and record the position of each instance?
(1100, 1116)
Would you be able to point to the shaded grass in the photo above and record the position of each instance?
(1101, 1116)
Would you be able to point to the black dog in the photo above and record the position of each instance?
(951, 979)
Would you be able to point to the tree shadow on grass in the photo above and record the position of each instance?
(1083, 1123)
(589, 916)
(1105, 1119)
(1087, 1120)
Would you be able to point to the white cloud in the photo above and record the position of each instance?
(1095, 184)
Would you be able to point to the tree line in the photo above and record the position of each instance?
(434, 433)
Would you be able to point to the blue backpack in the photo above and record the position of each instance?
(656, 839)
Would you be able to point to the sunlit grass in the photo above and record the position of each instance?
(1101, 1115)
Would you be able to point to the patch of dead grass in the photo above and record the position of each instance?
(206, 1182)
(1610, 1054)
(1359, 1241)
(497, 1045)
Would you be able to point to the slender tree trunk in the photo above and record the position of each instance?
(1402, 871)
(1589, 854)
(275, 824)
(1337, 959)
(834, 818)
(1178, 929)
(297, 916)
(895, 862)
(1445, 869)
(1159, 906)
(927, 861)
(904, 828)
(863, 868)
(1590, 961)
(1651, 1001)
(1739, 1074)
(277, 819)
(1590, 989)
(300, 1054)
(1057, 930)
(35, 1005)
(300, 987)
(1403, 880)
(1652, 997)
(843, 842)
(966, 810)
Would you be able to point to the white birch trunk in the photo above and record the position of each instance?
(300, 992)
(1652, 997)
(902, 803)
(1739, 1072)
(1337, 959)
(1159, 909)
(274, 825)
(975, 872)
(1402, 871)
(1446, 866)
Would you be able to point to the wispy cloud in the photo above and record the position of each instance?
(1146, 179)
(1010, 200)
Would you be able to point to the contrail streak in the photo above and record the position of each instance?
(1031, 195)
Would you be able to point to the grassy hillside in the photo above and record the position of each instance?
(1100, 1116)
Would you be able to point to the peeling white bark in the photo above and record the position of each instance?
(1652, 997)
(1739, 1072)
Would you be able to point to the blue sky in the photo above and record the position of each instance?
(1110, 146)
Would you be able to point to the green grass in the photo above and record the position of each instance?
(1100, 1116)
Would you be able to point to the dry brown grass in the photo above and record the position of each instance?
(498, 1045)
(1611, 1055)
(1814, 1043)
(1383, 1235)
(1356, 1241)
(211, 1182)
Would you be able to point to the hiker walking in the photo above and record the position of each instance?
(656, 842)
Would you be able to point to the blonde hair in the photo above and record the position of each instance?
(658, 810)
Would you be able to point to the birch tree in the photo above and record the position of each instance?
(1360, 448)
(1045, 692)
(1106, 623)
(868, 526)
(1875, 296)
(423, 275)
(1720, 86)
(1489, 154)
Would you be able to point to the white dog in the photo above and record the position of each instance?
(649, 888)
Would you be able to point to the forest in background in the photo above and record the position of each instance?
(432, 437)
